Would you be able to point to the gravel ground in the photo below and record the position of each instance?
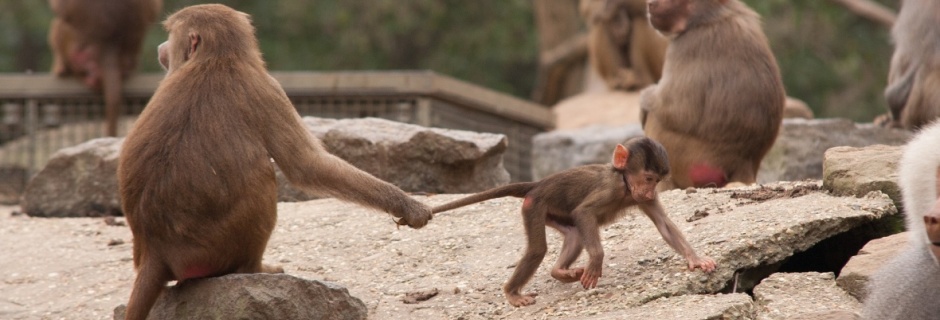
(80, 268)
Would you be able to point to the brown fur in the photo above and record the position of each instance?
(913, 81)
(577, 202)
(99, 41)
(719, 105)
(196, 179)
(623, 48)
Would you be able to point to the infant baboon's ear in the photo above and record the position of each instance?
(621, 155)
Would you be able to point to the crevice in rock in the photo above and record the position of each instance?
(746, 279)
(829, 255)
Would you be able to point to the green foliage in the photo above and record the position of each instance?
(831, 58)
(23, 26)
(834, 60)
(493, 46)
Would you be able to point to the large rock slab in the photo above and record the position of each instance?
(796, 295)
(685, 307)
(798, 152)
(740, 228)
(255, 296)
(732, 306)
(856, 275)
(828, 315)
(414, 158)
(79, 181)
(559, 150)
(758, 226)
(66, 268)
(858, 171)
(605, 107)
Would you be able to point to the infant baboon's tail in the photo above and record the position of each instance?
(518, 190)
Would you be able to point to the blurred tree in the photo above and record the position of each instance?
(833, 59)
(490, 45)
(562, 50)
(23, 37)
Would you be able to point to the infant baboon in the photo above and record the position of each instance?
(577, 202)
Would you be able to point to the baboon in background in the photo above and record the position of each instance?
(796, 108)
(195, 174)
(623, 48)
(718, 107)
(913, 91)
(628, 53)
(908, 287)
(577, 202)
(99, 41)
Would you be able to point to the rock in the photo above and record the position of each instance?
(471, 248)
(16, 168)
(414, 158)
(828, 315)
(691, 307)
(255, 296)
(760, 226)
(850, 171)
(12, 182)
(798, 295)
(559, 150)
(796, 155)
(745, 228)
(856, 274)
(798, 152)
(79, 181)
(605, 108)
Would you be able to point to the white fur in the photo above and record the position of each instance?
(908, 286)
(918, 179)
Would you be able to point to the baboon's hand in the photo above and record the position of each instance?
(705, 263)
(413, 214)
(646, 98)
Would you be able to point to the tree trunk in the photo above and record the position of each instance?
(559, 27)
(871, 10)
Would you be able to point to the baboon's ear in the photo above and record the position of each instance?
(621, 155)
(194, 40)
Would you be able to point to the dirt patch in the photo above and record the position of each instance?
(764, 193)
(699, 214)
(418, 296)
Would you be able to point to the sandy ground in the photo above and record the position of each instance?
(80, 268)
